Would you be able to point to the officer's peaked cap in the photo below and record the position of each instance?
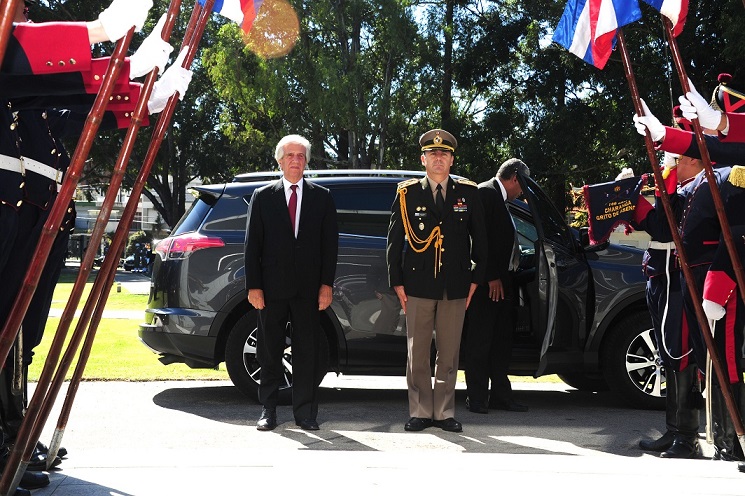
(438, 139)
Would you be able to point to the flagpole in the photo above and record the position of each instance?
(694, 290)
(716, 196)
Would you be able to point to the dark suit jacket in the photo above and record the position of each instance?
(278, 263)
(500, 231)
(464, 242)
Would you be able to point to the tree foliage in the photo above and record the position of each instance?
(365, 78)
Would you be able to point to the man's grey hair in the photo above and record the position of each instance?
(512, 166)
(279, 151)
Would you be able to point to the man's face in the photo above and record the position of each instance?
(437, 162)
(513, 188)
(688, 168)
(293, 162)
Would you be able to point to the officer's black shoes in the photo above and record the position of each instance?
(268, 420)
(416, 424)
(741, 467)
(476, 406)
(662, 444)
(683, 447)
(449, 424)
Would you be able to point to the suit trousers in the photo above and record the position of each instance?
(445, 318)
(305, 318)
(489, 336)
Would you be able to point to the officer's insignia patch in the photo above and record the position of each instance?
(467, 182)
(737, 176)
(407, 183)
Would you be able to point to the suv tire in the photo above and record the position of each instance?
(631, 363)
(243, 367)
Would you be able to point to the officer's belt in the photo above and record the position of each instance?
(658, 245)
(20, 165)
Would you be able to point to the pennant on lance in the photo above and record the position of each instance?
(241, 11)
(588, 27)
(675, 10)
(610, 205)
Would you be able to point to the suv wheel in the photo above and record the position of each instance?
(243, 366)
(632, 365)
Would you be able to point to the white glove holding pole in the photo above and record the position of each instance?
(121, 15)
(176, 78)
(152, 53)
(626, 173)
(694, 106)
(713, 311)
(649, 121)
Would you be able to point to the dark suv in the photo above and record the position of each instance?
(581, 313)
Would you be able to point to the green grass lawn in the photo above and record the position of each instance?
(119, 355)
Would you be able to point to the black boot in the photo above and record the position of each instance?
(671, 406)
(685, 442)
(726, 444)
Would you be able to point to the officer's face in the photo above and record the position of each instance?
(293, 162)
(437, 162)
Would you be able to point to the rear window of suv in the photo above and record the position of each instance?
(363, 209)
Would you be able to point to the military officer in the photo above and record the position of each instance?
(436, 252)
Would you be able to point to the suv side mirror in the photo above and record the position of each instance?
(584, 241)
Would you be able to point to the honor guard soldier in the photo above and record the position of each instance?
(435, 254)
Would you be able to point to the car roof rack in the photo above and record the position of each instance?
(269, 175)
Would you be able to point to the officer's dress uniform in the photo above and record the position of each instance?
(432, 255)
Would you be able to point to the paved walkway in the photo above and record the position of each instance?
(196, 438)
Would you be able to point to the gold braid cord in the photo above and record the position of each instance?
(414, 240)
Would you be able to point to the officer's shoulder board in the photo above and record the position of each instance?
(407, 183)
(737, 176)
(467, 182)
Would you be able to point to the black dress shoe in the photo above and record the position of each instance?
(509, 405)
(307, 424)
(476, 406)
(38, 462)
(682, 448)
(268, 420)
(22, 492)
(33, 480)
(662, 444)
(416, 424)
(449, 424)
(43, 448)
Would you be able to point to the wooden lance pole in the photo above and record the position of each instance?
(7, 14)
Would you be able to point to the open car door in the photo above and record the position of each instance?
(559, 291)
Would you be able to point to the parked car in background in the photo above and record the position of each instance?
(581, 312)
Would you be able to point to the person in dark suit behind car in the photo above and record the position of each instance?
(291, 247)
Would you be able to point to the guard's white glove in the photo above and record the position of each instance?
(176, 78)
(670, 160)
(121, 15)
(626, 173)
(649, 121)
(713, 311)
(152, 53)
(694, 106)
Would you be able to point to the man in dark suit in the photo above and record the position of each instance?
(291, 247)
(435, 236)
(489, 323)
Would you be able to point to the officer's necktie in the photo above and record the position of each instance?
(439, 200)
(292, 206)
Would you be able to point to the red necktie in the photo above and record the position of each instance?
(292, 206)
